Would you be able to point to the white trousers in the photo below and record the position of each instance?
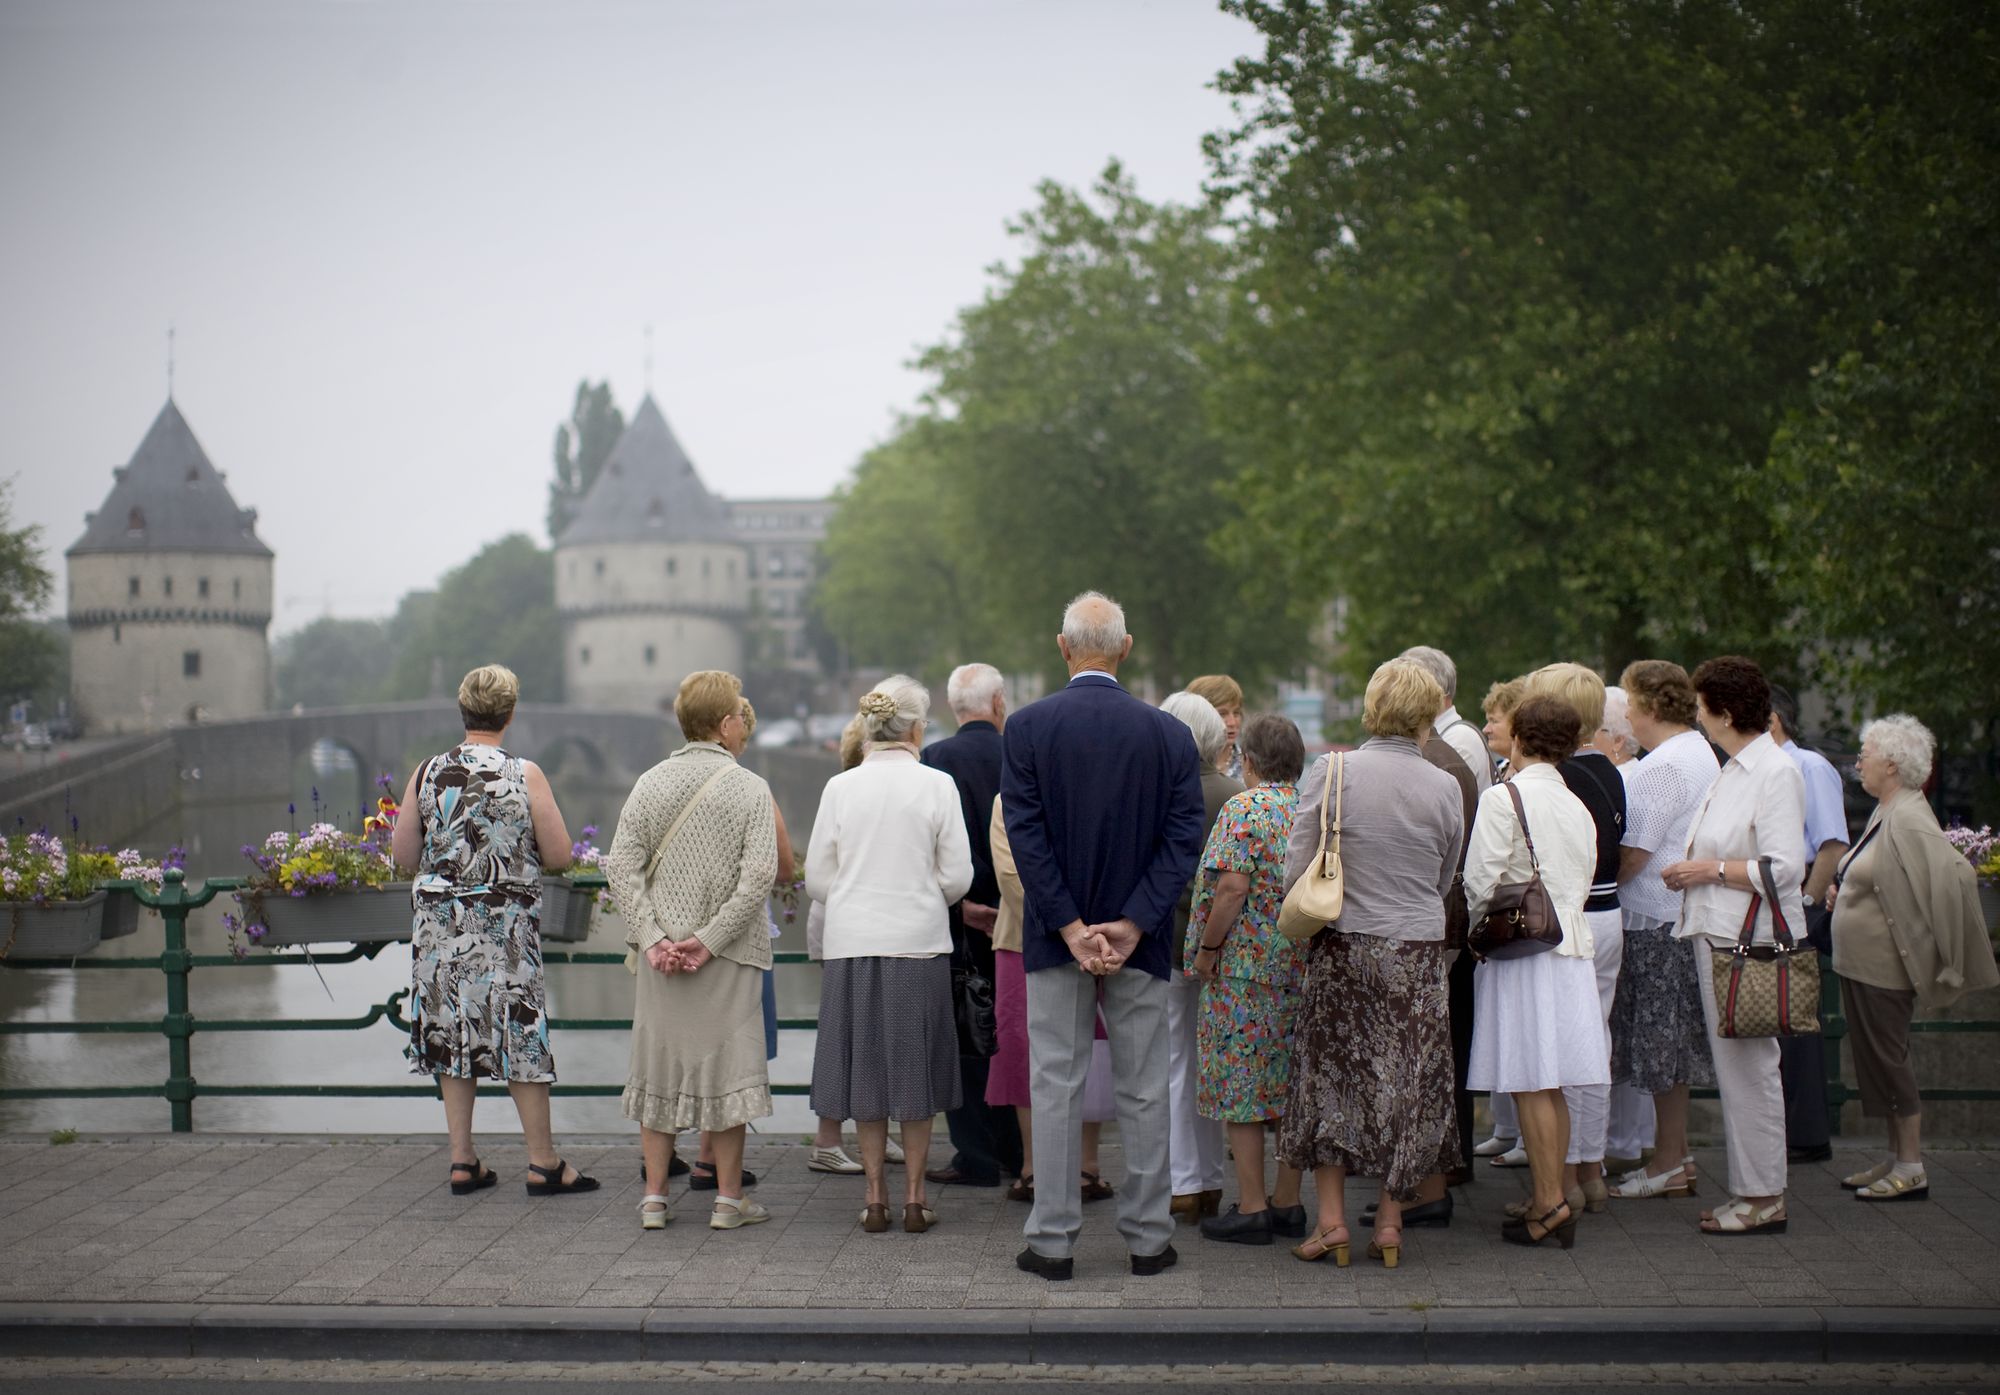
(1590, 1105)
(1753, 1098)
(1197, 1149)
(1632, 1123)
(1506, 1118)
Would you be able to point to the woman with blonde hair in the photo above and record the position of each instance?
(480, 826)
(889, 855)
(1371, 1066)
(691, 869)
(1225, 695)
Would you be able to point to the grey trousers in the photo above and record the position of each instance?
(1062, 1021)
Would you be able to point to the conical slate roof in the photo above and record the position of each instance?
(170, 499)
(648, 491)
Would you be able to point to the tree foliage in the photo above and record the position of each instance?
(497, 608)
(582, 445)
(29, 654)
(333, 663)
(1065, 446)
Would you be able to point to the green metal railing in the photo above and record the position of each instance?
(179, 1024)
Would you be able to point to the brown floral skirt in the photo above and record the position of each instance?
(1371, 1087)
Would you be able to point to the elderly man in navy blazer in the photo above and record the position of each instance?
(1102, 794)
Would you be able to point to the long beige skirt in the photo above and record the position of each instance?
(698, 1049)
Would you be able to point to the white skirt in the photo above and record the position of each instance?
(1537, 1025)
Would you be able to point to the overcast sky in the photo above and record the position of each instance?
(393, 236)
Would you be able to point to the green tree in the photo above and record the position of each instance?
(497, 608)
(1518, 322)
(333, 663)
(582, 445)
(29, 653)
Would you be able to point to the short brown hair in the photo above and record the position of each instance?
(1223, 692)
(486, 697)
(1546, 728)
(1735, 689)
(1660, 689)
(708, 697)
(1403, 699)
(1502, 698)
(1575, 685)
(1273, 747)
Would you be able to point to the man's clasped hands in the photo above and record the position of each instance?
(1101, 949)
(678, 956)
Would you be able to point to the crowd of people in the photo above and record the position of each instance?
(1076, 912)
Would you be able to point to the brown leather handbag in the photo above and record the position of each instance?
(1520, 919)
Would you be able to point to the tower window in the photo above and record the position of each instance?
(673, 565)
(117, 634)
(583, 655)
(131, 585)
(166, 586)
(599, 567)
(704, 566)
(729, 569)
(191, 664)
(135, 521)
(201, 587)
(650, 656)
(236, 588)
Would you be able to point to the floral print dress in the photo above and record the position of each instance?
(1244, 1025)
(479, 1004)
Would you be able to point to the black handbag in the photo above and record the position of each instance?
(972, 1007)
(1520, 918)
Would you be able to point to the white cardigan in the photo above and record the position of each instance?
(889, 853)
(1565, 846)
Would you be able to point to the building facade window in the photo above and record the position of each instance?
(673, 565)
(236, 588)
(131, 585)
(191, 664)
(650, 656)
(201, 587)
(598, 567)
(166, 586)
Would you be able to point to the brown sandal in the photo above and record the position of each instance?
(1023, 1189)
(1095, 1188)
(917, 1217)
(1321, 1244)
(875, 1218)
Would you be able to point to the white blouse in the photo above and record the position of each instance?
(889, 853)
(1756, 808)
(1565, 846)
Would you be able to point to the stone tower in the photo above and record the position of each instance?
(651, 580)
(169, 594)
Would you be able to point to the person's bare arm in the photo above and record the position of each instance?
(406, 842)
(1631, 862)
(1232, 889)
(1826, 862)
(785, 859)
(551, 833)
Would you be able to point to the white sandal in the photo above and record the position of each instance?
(1741, 1218)
(1639, 1183)
(650, 1219)
(732, 1212)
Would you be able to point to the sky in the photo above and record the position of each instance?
(392, 237)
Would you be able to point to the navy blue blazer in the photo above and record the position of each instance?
(1104, 814)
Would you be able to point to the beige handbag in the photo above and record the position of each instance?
(1314, 901)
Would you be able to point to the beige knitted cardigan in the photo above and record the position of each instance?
(714, 880)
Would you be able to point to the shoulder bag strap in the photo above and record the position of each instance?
(688, 808)
(1339, 799)
(1781, 933)
(1521, 813)
(1840, 874)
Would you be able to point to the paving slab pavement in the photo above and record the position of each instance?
(192, 1244)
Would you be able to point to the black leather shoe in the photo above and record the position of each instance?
(1054, 1270)
(704, 1178)
(1822, 1153)
(1436, 1213)
(1235, 1227)
(1288, 1221)
(953, 1177)
(1144, 1265)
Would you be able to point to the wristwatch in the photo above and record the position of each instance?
(1722, 872)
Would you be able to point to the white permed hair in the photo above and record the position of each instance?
(1094, 626)
(894, 708)
(971, 689)
(1905, 743)
(1618, 720)
(1438, 664)
(1199, 716)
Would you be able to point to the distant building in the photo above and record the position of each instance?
(169, 594)
(783, 536)
(651, 580)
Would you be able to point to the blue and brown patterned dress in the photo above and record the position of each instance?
(478, 1003)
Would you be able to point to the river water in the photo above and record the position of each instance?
(213, 836)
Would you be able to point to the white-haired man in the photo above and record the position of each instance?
(1464, 736)
(1102, 799)
(985, 1141)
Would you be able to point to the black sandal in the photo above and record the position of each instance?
(552, 1182)
(482, 1178)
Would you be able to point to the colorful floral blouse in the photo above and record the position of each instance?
(1250, 836)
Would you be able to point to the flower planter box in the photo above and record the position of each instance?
(58, 930)
(121, 914)
(374, 916)
(1989, 902)
(566, 910)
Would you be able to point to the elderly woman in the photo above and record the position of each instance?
(1907, 929)
(1659, 1037)
(1630, 1130)
(1592, 778)
(691, 868)
(480, 826)
(1537, 1027)
(889, 854)
(1249, 977)
(1371, 1087)
(1503, 1147)
(1614, 739)
(1752, 817)
(1225, 695)
(1196, 1154)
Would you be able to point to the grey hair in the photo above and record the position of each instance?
(971, 689)
(894, 708)
(1104, 637)
(1438, 665)
(1618, 719)
(1905, 743)
(1199, 716)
